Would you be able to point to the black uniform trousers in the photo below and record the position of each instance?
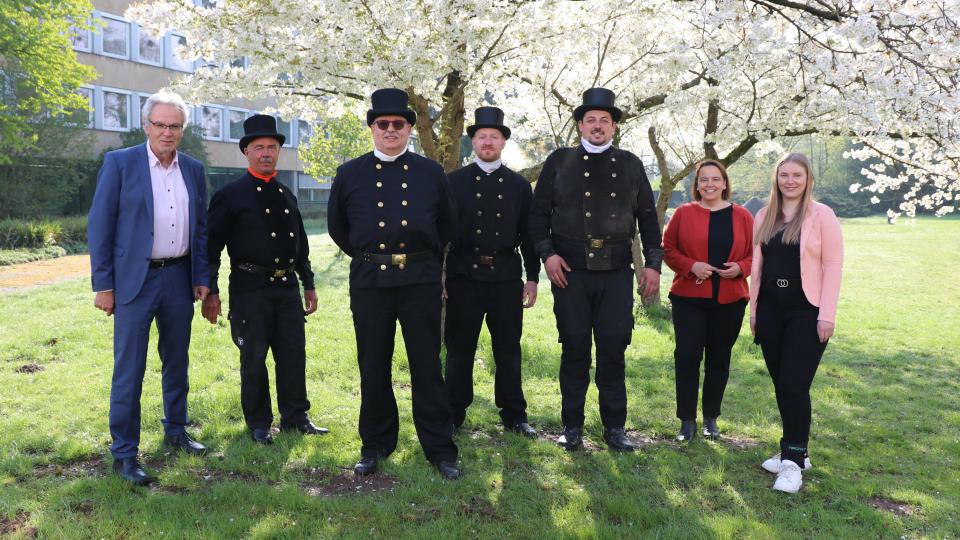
(271, 317)
(703, 329)
(597, 304)
(787, 333)
(375, 315)
(468, 300)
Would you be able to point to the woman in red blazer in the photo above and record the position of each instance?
(793, 303)
(708, 244)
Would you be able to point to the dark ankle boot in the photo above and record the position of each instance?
(710, 429)
(688, 430)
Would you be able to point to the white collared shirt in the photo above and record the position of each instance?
(171, 208)
(488, 166)
(594, 149)
(383, 157)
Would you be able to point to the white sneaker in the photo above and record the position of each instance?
(790, 477)
(772, 465)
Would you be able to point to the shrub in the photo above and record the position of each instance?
(67, 233)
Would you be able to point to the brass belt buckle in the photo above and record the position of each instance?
(398, 259)
(486, 260)
(596, 243)
(280, 272)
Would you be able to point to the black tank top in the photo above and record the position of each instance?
(781, 281)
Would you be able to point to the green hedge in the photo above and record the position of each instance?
(69, 233)
(18, 256)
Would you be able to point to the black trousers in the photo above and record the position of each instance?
(598, 305)
(703, 329)
(787, 333)
(468, 300)
(375, 316)
(270, 318)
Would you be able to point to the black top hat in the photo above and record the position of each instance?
(488, 117)
(260, 125)
(390, 101)
(598, 99)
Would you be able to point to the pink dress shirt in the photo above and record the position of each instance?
(171, 209)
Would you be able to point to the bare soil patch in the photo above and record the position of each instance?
(95, 466)
(29, 368)
(16, 277)
(318, 482)
(901, 509)
(11, 526)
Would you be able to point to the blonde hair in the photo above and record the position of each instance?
(773, 219)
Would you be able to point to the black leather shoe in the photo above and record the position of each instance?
(448, 469)
(572, 439)
(523, 428)
(688, 430)
(710, 429)
(307, 428)
(130, 470)
(366, 465)
(261, 435)
(616, 439)
(185, 443)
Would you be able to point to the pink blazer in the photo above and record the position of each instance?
(821, 260)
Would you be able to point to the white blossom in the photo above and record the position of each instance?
(882, 72)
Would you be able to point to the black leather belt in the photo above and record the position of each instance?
(160, 263)
(490, 260)
(594, 243)
(395, 259)
(264, 270)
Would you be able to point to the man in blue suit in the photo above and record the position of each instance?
(147, 233)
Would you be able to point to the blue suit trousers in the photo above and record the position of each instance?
(166, 297)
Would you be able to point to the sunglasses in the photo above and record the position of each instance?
(382, 125)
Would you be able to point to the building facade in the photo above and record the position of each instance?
(132, 65)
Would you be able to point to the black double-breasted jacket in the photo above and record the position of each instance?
(386, 208)
(588, 207)
(492, 232)
(260, 224)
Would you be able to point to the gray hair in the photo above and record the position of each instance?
(165, 98)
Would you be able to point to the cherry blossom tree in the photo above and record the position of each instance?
(696, 79)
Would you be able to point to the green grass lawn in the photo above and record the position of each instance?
(885, 440)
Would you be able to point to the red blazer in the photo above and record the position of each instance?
(685, 242)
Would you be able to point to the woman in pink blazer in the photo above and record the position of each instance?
(794, 288)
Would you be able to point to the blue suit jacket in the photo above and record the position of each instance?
(120, 223)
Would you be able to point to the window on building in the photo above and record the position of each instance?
(176, 51)
(236, 118)
(81, 117)
(284, 128)
(149, 49)
(114, 110)
(304, 132)
(138, 119)
(81, 39)
(114, 38)
(211, 121)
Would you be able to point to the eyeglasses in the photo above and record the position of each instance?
(382, 125)
(174, 128)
